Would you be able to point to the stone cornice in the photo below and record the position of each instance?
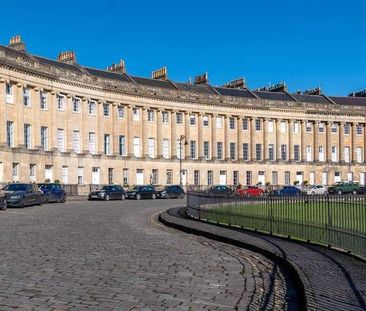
(70, 78)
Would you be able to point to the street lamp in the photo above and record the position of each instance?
(182, 139)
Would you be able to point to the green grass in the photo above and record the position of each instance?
(338, 215)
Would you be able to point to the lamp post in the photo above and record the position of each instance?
(182, 139)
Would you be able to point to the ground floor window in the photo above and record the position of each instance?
(154, 180)
(287, 178)
(110, 176)
(235, 178)
(248, 178)
(209, 178)
(169, 177)
(80, 175)
(125, 176)
(196, 178)
(274, 178)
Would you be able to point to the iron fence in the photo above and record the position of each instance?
(338, 221)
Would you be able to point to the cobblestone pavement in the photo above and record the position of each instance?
(115, 256)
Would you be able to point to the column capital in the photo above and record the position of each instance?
(3, 80)
(37, 89)
(53, 92)
(19, 84)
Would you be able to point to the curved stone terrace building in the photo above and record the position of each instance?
(60, 120)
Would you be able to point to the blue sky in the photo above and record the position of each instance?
(304, 43)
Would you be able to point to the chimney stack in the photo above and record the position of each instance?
(160, 74)
(315, 91)
(202, 79)
(16, 43)
(67, 57)
(120, 67)
(236, 84)
(361, 93)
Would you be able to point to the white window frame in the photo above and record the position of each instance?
(166, 148)
(61, 139)
(76, 141)
(92, 107)
(151, 147)
(60, 102)
(136, 114)
(76, 103)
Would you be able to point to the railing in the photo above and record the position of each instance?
(338, 221)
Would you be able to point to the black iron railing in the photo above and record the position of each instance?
(338, 221)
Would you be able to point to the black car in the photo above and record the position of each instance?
(23, 195)
(142, 192)
(220, 191)
(173, 191)
(3, 203)
(110, 192)
(52, 192)
(362, 190)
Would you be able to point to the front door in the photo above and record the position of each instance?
(95, 176)
(222, 180)
(139, 177)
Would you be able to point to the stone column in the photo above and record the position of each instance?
(159, 133)
(278, 141)
(290, 125)
(303, 145)
(213, 136)
(353, 143)
(187, 134)
(53, 128)
(341, 142)
(115, 129)
(200, 137)
(364, 143)
(144, 132)
(316, 142)
(226, 143)
(69, 126)
(36, 129)
(239, 138)
(84, 126)
(173, 134)
(251, 151)
(129, 133)
(100, 131)
(328, 139)
(3, 115)
(19, 128)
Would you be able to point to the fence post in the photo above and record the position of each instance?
(329, 222)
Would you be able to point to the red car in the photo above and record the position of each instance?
(250, 191)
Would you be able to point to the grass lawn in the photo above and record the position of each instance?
(342, 215)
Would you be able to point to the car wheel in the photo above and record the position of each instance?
(5, 204)
(63, 200)
(107, 197)
(325, 193)
(153, 196)
(46, 199)
(354, 192)
(40, 201)
(21, 203)
(312, 192)
(339, 192)
(138, 197)
(123, 197)
(181, 196)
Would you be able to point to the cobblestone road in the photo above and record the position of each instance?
(115, 256)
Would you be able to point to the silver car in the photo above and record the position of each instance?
(317, 190)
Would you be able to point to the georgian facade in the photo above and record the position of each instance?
(62, 121)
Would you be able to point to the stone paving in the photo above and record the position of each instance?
(115, 256)
(332, 280)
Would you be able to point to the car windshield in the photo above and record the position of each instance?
(137, 188)
(107, 188)
(44, 186)
(15, 187)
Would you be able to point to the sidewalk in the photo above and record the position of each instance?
(330, 280)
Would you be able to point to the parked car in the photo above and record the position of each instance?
(3, 203)
(249, 191)
(344, 187)
(220, 190)
(142, 192)
(172, 191)
(287, 191)
(109, 192)
(362, 190)
(52, 192)
(23, 194)
(317, 190)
